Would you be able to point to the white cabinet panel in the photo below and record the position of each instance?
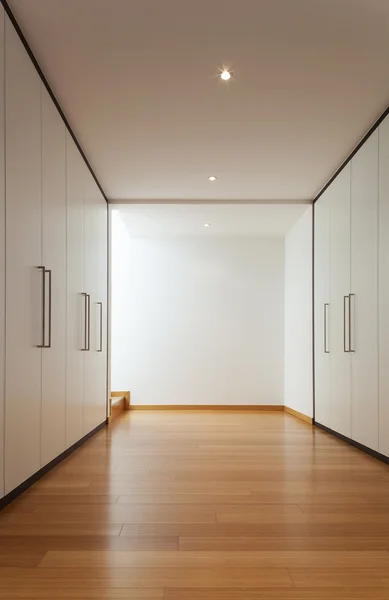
(364, 287)
(2, 253)
(75, 287)
(23, 256)
(384, 288)
(323, 310)
(340, 289)
(102, 299)
(91, 266)
(90, 280)
(95, 284)
(54, 260)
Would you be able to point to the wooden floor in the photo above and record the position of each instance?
(202, 506)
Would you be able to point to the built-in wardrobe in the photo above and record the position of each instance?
(351, 297)
(53, 277)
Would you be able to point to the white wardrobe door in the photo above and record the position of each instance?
(54, 260)
(23, 257)
(323, 344)
(75, 287)
(102, 299)
(2, 253)
(384, 287)
(340, 289)
(95, 281)
(364, 286)
(91, 247)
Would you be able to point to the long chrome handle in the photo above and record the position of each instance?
(48, 272)
(350, 344)
(101, 327)
(88, 347)
(345, 298)
(326, 351)
(85, 345)
(42, 345)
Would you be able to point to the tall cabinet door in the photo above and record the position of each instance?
(102, 301)
(95, 284)
(91, 265)
(76, 306)
(54, 260)
(323, 310)
(340, 301)
(24, 278)
(2, 253)
(364, 299)
(384, 287)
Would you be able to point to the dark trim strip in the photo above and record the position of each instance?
(353, 153)
(313, 315)
(209, 201)
(357, 445)
(34, 478)
(50, 91)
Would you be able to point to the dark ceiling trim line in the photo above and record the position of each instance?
(353, 153)
(210, 201)
(50, 91)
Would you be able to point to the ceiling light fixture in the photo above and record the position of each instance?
(206, 224)
(212, 178)
(225, 75)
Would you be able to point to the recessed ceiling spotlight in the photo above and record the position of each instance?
(225, 75)
(212, 178)
(206, 224)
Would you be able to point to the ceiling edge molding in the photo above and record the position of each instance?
(210, 201)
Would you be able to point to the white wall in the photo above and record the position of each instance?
(197, 320)
(298, 316)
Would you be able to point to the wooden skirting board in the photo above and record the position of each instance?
(299, 415)
(214, 407)
(120, 401)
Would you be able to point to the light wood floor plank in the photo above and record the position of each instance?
(218, 559)
(340, 578)
(145, 577)
(281, 543)
(20, 592)
(255, 594)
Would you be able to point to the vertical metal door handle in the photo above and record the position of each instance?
(42, 345)
(326, 351)
(344, 323)
(101, 327)
(88, 347)
(85, 347)
(349, 323)
(48, 271)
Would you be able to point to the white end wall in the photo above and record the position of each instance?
(298, 316)
(196, 320)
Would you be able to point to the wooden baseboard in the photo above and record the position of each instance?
(214, 407)
(116, 408)
(299, 415)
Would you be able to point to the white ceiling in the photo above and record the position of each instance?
(242, 220)
(138, 82)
